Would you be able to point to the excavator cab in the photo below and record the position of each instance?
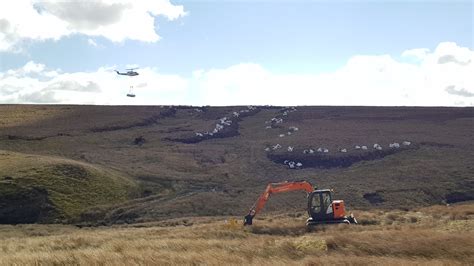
(322, 209)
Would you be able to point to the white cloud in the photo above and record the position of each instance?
(458, 91)
(419, 53)
(117, 20)
(364, 80)
(39, 97)
(32, 67)
(91, 42)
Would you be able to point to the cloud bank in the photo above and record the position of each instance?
(419, 77)
(23, 21)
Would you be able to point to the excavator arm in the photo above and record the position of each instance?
(273, 188)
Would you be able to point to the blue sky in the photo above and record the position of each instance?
(282, 37)
(305, 36)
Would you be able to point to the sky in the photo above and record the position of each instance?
(377, 53)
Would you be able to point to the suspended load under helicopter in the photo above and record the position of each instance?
(130, 92)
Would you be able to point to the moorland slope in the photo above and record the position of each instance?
(147, 163)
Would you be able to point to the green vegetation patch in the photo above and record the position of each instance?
(69, 186)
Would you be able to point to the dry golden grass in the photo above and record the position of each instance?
(278, 240)
(15, 115)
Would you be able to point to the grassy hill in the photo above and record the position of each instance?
(38, 188)
(182, 170)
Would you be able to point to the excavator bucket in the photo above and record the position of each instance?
(248, 219)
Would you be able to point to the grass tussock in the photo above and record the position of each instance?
(279, 240)
(453, 212)
(405, 242)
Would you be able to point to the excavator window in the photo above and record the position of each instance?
(326, 199)
(316, 204)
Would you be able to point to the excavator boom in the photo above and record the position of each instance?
(273, 188)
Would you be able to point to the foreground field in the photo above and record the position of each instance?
(438, 235)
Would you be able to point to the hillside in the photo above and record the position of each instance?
(35, 188)
(206, 161)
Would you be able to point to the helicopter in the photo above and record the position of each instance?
(130, 72)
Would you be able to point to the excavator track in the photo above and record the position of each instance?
(349, 220)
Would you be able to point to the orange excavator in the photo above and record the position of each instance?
(322, 209)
